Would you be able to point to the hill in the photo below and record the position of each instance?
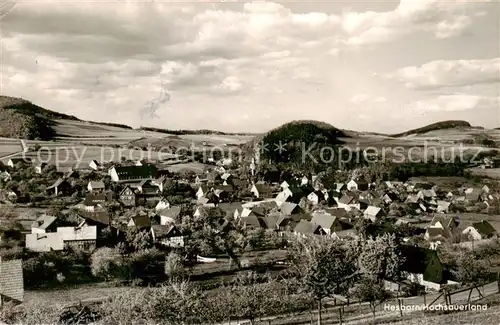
(434, 126)
(285, 143)
(22, 119)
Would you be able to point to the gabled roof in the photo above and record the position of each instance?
(172, 212)
(372, 211)
(11, 280)
(308, 228)
(99, 217)
(484, 228)
(94, 199)
(96, 184)
(138, 172)
(253, 221)
(417, 258)
(288, 208)
(165, 231)
(346, 199)
(57, 183)
(446, 221)
(324, 219)
(43, 221)
(141, 221)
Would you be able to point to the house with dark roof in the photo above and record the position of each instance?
(130, 173)
(329, 223)
(480, 230)
(94, 164)
(423, 266)
(315, 197)
(441, 227)
(11, 282)
(43, 224)
(140, 221)
(60, 187)
(253, 222)
(261, 190)
(307, 228)
(167, 235)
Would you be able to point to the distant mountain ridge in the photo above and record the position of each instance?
(433, 127)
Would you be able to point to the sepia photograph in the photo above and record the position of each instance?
(233, 162)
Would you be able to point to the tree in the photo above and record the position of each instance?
(470, 270)
(324, 267)
(174, 267)
(372, 290)
(138, 239)
(381, 257)
(106, 262)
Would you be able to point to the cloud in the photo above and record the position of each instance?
(442, 18)
(456, 73)
(364, 98)
(454, 103)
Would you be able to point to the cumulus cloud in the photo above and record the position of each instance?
(456, 73)
(108, 58)
(455, 103)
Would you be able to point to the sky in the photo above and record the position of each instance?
(380, 66)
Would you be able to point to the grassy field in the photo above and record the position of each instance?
(493, 173)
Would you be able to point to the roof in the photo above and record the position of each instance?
(324, 219)
(94, 199)
(141, 221)
(271, 220)
(165, 231)
(77, 233)
(436, 232)
(172, 212)
(44, 242)
(372, 211)
(346, 199)
(446, 221)
(43, 221)
(416, 258)
(484, 228)
(97, 184)
(11, 280)
(254, 221)
(306, 227)
(99, 217)
(138, 172)
(338, 212)
(263, 188)
(288, 208)
(57, 183)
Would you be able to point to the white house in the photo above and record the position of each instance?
(163, 204)
(480, 230)
(284, 185)
(95, 186)
(352, 185)
(94, 164)
(313, 198)
(373, 213)
(304, 181)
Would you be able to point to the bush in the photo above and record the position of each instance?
(107, 263)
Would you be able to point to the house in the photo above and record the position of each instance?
(14, 162)
(128, 197)
(253, 222)
(329, 223)
(339, 187)
(146, 187)
(480, 230)
(94, 164)
(373, 213)
(93, 202)
(167, 235)
(304, 181)
(423, 266)
(261, 190)
(307, 228)
(65, 171)
(289, 209)
(128, 173)
(203, 190)
(11, 282)
(140, 221)
(44, 242)
(473, 196)
(427, 194)
(169, 215)
(99, 219)
(43, 224)
(443, 206)
(233, 210)
(284, 185)
(159, 182)
(358, 185)
(441, 226)
(162, 205)
(60, 187)
(226, 178)
(315, 197)
(39, 167)
(348, 201)
(81, 238)
(96, 186)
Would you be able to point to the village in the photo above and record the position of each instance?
(133, 206)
